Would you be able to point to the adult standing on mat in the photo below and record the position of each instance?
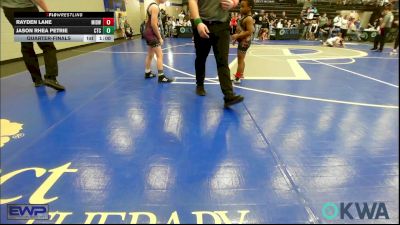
(344, 27)
(27, 50)
(384, 28)
(396, 42)
(211, 28)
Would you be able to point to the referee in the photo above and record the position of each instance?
(211, 29)
(385, 27)
(28, 52)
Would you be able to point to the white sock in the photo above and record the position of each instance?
(147, 70)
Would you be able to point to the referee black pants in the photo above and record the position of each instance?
(28, 52)
(219, 41)
(380, 38)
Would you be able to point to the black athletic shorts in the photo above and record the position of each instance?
(243, 46)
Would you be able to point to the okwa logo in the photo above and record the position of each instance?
(9, 130)
(349, 210)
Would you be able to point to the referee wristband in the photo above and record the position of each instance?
(197, 21)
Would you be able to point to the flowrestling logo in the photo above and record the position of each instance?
(355, 210)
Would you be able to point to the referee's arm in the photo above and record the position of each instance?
(42, 4)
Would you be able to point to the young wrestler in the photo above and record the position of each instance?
(152, 34)
(246, 28)
(335, 41)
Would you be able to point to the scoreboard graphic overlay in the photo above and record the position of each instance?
(64, 27)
